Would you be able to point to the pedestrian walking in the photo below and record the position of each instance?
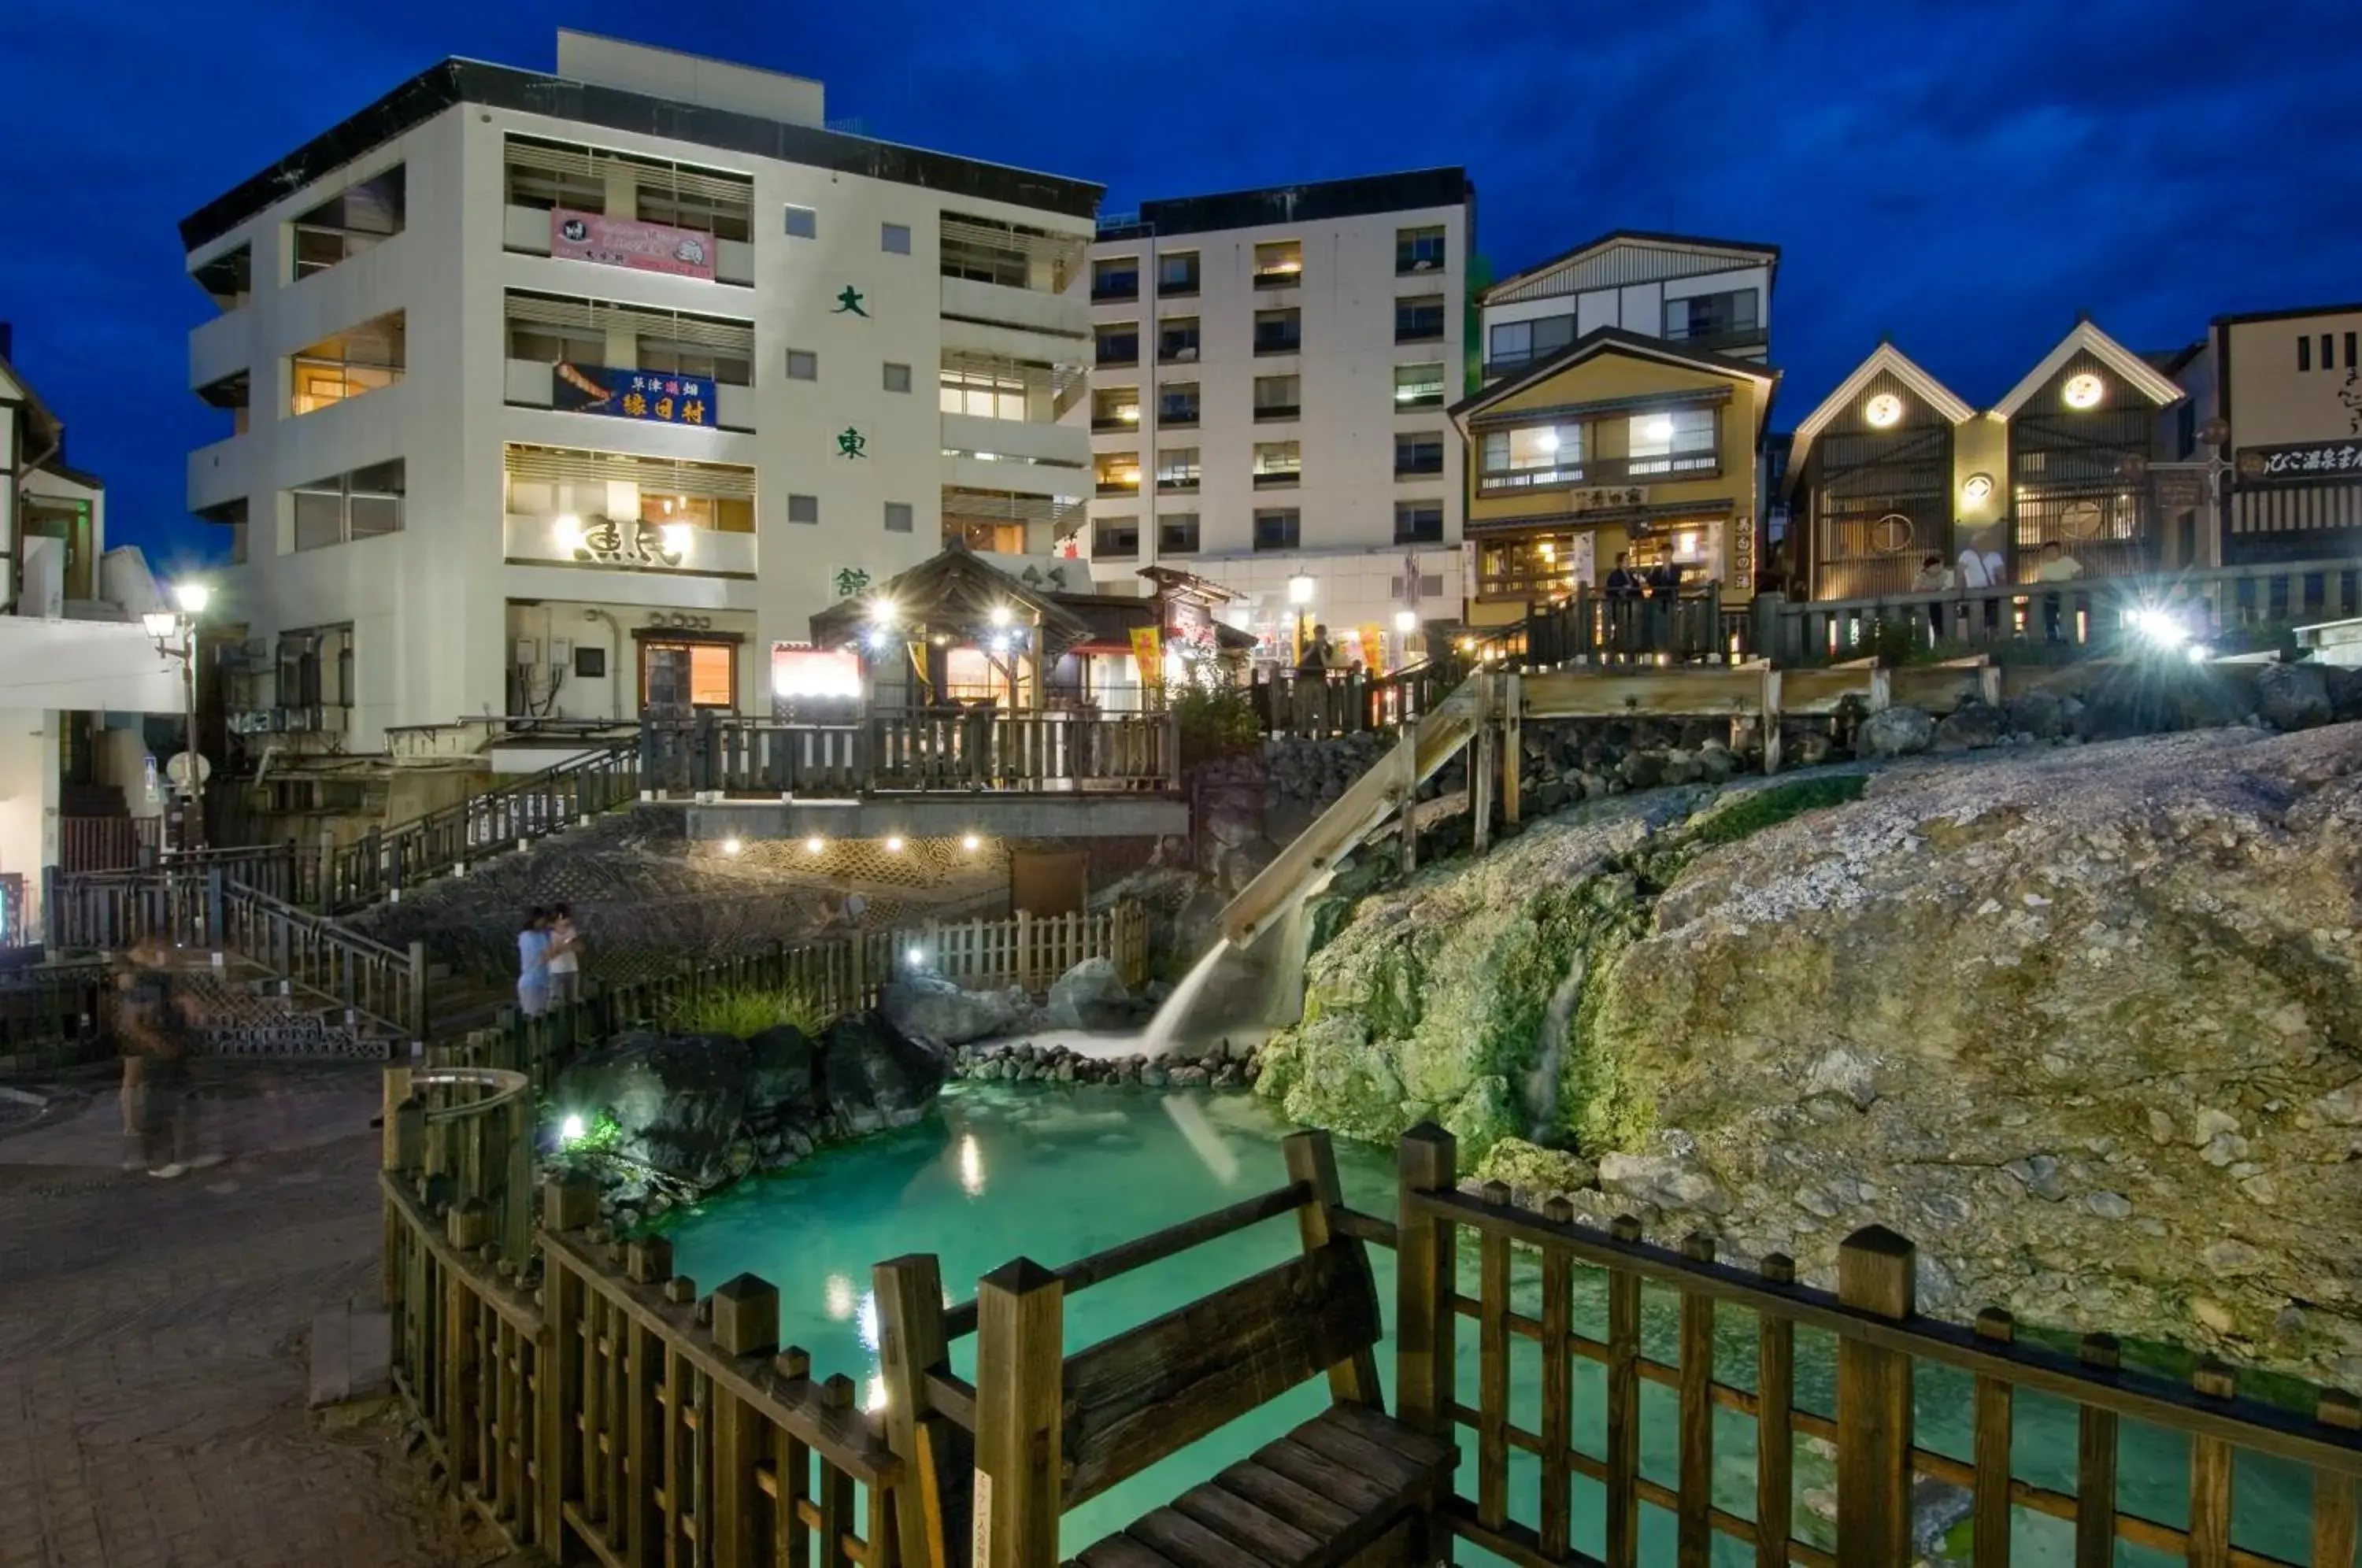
(2056, 567)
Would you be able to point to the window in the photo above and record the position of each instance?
(1278, 331)
(547, 174)
(599, 489)
(1176, 340)
(678, 674)
(1177, 467)
(1115, 538)
(1419, 523)
(553, 329)
(982, 394)
(349, 365)
(1118, 344)
(803, 508)
(1117, 473)
(1533, 455)
(1679, 441)
(990, 250)
(1431, 586)
(1418, 386)
(1177, 402)
(1177, 535)
(362, 505)
(1275, 397)
(1278, 530)
(894, 238)
(1115, 279)
(356, 219)
(1517, 343)
(1418, 250)
(1279, 264)
(1277, 464)
(1176, 272)
(1728, 314)
(1115, 408)
(1418, 319)
(1419, 452)
(898, 517)
(804, 365)
(802, 223)
(898, 377)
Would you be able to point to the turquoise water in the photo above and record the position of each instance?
(1001, 1171)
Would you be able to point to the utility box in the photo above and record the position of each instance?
(1049, 882)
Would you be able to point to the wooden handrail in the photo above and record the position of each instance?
(1125, 1257)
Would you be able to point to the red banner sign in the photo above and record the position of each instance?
(623, 242)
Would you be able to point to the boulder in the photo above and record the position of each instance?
(2037, 713)
(948, 1013)
(679, 1102)
(1894, 732)
(2292, 696)
(874, 1076)
(1533, 1170)
(782, 1071)
(1971, 725)
(1091, 995)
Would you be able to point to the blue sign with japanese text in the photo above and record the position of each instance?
(657, 395)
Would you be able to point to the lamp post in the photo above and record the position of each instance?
(174, 632)
(1300, 589)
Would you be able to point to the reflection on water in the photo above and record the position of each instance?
(1003, 1171)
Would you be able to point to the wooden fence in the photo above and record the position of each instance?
(832, 978)
(108, 844)
(589, 1404)
(912, 750)
(1881, 1342)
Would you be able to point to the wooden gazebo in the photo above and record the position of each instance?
(908, 627)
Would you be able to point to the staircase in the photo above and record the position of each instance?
(384, 862)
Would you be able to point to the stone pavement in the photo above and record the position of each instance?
(152, 1344)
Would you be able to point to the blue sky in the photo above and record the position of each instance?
(1960, 177)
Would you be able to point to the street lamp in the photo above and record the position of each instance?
(1300, 589)
(174, 632)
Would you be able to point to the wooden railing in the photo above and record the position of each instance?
(1881, 1345)
(584, 1400)
(2088, 615)
(1593, 629)
(324, 961)
(912, 750)
(383, 862)
(1319, 706)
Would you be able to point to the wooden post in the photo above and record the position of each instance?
(1558, 1384)
(1695, 1500)
(1513, 741)
(1426, 1161)
(746, 1326)
(1623, 1524)
(2210, 1475)
(1021, 1314)
(1771, 707)
(1988, 1533)
(1775, 1365)
(414, 1016)
(2095, 1463)
(1311, 1159)
(2333, 1494)
(1875, 1276)
(394, 1091)
(1406, 786)
(1480, 783)
(933, 1526)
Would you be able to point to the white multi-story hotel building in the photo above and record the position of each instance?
(570, 393)
(1270, 374)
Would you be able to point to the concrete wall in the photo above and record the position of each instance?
(29, 794)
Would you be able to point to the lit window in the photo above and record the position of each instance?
(1418, 386)
(1177, 469)
(982, 394)
(1534, 446)
(357, 361)
(1672, 441)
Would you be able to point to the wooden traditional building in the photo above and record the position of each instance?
(2289, 384)
(1878, 474)
(1893, 466)
(1616, 443)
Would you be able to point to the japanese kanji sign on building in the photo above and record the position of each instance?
(2304, 460)
(656, 395)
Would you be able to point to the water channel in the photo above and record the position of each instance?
(1053, 1174)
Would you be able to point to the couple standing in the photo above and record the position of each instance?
(154, 1030)
(549, 960)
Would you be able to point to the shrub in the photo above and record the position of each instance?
(1215, 725)
(742, 1011)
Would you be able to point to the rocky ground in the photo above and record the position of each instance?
(2085, 1020)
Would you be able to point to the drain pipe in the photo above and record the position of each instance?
(615, 663)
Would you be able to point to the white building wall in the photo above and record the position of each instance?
(1346, 431)
(431, 606)
(1639, 307)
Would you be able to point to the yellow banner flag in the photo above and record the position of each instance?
(1149, 655)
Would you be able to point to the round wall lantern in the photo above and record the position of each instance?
(2083, 390)
(1977, 489)
(1882, 410)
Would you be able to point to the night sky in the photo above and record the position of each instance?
(1961, 177)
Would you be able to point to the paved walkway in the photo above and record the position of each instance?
(152, 1334)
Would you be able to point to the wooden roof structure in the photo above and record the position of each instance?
(952, 591)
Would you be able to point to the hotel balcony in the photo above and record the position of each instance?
(220, 473)
(530, 539)
(527, 229)
(221, 347)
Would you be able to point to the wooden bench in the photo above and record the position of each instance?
(1050, 1432)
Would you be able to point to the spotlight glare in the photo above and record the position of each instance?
(571, 1130)
(732, 847)
(971, 844)
(814, 845)
(894, 844)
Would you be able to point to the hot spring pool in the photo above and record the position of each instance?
(1053, 1174)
